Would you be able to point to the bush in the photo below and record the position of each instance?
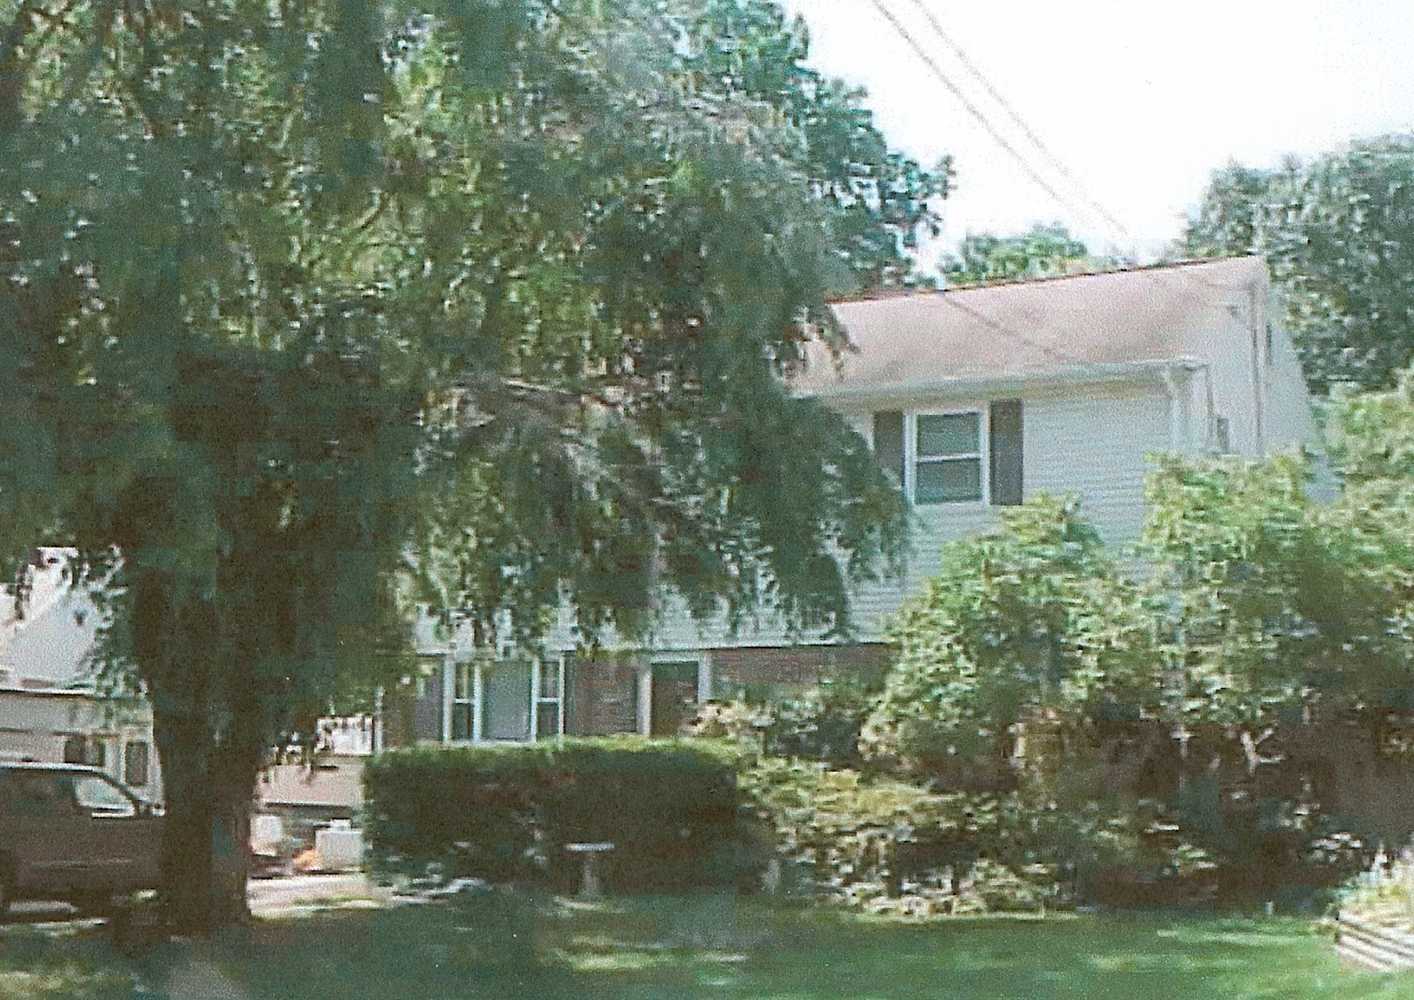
(1033, 621)
(844, 829)
(822, 724)
(505, 813)
(866, 839)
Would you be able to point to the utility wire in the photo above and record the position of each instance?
(1020, 122)
(967, 104)
(1001, 140)
(1056, 354)
(1091, 204)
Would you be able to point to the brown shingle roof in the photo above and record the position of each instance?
(1030, 329)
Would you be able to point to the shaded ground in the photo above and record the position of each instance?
(684, 947)
(268, 897)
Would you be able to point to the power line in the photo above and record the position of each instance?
(967, 104)
(1020, 122)
(1056, 354)
(1026, 166)
(1091, 203)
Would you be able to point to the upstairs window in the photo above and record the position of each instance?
(973, 455)
(948, 458)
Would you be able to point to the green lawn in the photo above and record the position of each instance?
(697, 947)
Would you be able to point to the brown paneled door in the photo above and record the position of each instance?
(674, 696)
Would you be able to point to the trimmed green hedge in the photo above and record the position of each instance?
(505, 813)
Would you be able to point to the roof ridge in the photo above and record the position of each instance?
(904, 293)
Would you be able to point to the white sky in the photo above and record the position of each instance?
(1140, 99)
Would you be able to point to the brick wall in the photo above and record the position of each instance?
(780, 670)
(602, 692)
(602, 695)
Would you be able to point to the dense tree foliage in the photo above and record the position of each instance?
(1031, 621)
(1237, 699)
(301, 301)
(1336, 231)
(1283, 606)
(1043, 251)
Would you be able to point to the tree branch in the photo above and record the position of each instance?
(13, 72)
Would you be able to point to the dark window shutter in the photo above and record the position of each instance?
(888, 441)
(1006, 437)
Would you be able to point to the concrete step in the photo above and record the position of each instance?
(1396, 940)
(1360, 954)
(1373, 945)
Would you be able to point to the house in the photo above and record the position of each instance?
(977, 398)
(328, 786)
(51, 705)
(53, 709)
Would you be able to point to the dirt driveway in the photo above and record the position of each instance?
(268, 898)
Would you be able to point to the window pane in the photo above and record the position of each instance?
(98, 796)
(948, 482)
(547, 719)
(463, 682)
(461, 720)
(506, 715)
(135, 764)
(39, 794)
(75, 750)
(550, 679)
(949, 434)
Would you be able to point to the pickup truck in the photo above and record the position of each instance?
(75, 835)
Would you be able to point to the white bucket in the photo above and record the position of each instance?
(339, 849)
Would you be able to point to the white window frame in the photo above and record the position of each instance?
(983, 412)
(450, 701)
(538, 698)
(475, 674)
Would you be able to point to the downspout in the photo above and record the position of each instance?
(1210, 437)
(1177, 428)
(1256, 328)
(1180, 404)
(449, 681)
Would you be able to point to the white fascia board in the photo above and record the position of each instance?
(985, 385)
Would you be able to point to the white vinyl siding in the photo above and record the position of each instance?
(1088, 440)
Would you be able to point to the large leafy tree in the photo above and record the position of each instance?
(302, 301)
(1281, 607)
(1043, 251)
(1336, 231)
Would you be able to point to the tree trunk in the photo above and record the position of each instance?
(205, 849)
